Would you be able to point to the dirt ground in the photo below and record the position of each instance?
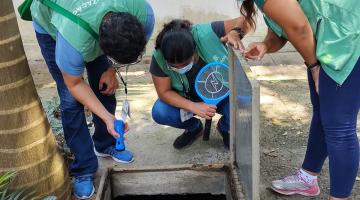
(285, 116)
(284, 131)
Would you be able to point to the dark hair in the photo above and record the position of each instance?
(122, 37)
(175, 41)
(248, 10)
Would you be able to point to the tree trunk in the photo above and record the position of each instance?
(27, 144)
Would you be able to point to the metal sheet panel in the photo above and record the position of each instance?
(244, 130)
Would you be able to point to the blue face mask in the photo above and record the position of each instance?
(183, 70)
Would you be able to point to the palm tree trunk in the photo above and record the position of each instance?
(27, 144)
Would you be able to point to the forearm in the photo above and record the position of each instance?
(237, 22)
(273, 42)
(83, 93)
(174, 99)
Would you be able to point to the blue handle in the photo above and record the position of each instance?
(119, 128)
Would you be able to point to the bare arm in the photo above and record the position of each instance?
(237, 22)
(273, 42)
(232, 37)
(83, 93)
(169, 96)
(290, 17)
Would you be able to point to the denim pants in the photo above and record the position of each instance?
(166, 114)
(76, 132)
(333, 130)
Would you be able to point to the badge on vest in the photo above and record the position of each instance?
(125, 111)
(185, 115)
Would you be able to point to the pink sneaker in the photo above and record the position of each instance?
(294, 184)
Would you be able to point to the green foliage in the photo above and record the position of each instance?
(7, 194)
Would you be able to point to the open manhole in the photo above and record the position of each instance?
(236, 180)
(173, 197)
(197, 182)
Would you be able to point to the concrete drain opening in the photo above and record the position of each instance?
(174, 197)
(198, 182)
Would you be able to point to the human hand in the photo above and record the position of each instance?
(204, 110)
(315, 72)
(255, 50)
(108, 82)
(111, 129)
(233, 38)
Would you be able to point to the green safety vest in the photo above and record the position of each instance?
(91, 11)
(336, 27)
(208, 46)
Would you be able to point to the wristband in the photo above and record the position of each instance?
(239, 31)
(311, 66)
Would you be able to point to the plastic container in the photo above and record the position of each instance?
(119, 128)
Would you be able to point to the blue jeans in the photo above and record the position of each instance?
(166, 114)
(333, 131)
(76, 132)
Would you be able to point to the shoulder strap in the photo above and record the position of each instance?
(208, 44)
(77, 20)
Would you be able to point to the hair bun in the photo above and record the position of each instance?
(173, 25)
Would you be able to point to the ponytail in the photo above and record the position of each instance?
(248, 10)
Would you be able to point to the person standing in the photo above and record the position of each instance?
(327, 35)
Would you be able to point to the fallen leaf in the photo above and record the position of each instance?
(270, 153)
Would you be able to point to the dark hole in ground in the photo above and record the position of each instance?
(173, 197)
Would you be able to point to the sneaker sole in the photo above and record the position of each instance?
(294, 192)
(86, 197)
(103, 155)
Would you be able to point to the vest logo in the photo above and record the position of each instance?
(84, 6)
(219, 59)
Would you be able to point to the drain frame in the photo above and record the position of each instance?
(232, 186)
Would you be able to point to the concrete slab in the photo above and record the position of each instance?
(266, 61)
(169, 182)
(287, 58)
(282, 72)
